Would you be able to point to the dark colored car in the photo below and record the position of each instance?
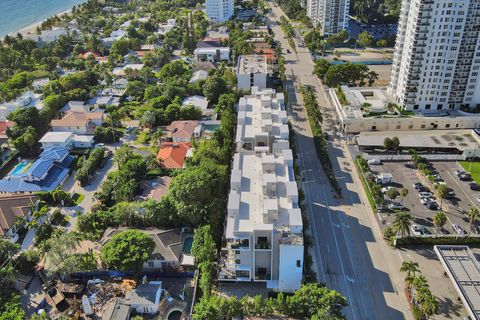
(474, 186)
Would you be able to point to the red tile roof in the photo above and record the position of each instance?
(173, 154)
(4, 125)
(182, 129)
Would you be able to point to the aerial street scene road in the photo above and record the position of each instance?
(253, 159)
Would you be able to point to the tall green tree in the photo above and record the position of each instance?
(439, 219)
(402, 224)
(127, 251)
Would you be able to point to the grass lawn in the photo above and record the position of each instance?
(474, 170)
(142, 137)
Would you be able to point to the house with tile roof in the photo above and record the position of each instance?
(182, 131)
(172, 247)
(45, 174)
(13, 207)
(173, 154)
(78, 122)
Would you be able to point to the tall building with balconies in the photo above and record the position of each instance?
(219, 10)
(264, 229)
(331, 15)
(436, 63)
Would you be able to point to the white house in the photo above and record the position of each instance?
(196, 101)
(47, 36)
(13, 207)
(67, 140)
(211, 51)
(27, 99)
(39, 84)
(145, 298)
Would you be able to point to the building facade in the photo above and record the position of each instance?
(331, 15)
(252, 71)
(219, 10)
(437, 58)
(264, 229)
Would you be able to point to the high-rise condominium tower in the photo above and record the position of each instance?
(219, 10)
(437, 55)
(332, 15)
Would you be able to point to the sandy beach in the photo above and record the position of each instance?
(32, 29)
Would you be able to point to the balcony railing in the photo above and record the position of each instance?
(263, 245)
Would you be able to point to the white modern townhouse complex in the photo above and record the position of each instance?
(437, 60)
(264, 229)
(252, 71)
(331, 15)
(219, 10)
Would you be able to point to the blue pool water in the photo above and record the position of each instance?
(187, 245)
(211, 127)
(19, 167)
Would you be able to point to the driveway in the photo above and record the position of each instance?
(88, 191)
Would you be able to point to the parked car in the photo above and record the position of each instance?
(100, 145)
(425, 230)
(374, 161)
(458, 229)
(426, 201)
(385, 189)
(432, 205)
(465, 177)
(416, 230)
(425, 194)
(474, 186)
(460, 172)
(395, 206)
(417, 185)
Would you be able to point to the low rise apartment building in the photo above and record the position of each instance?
(367, 109)
(264, 229)
(252, 71)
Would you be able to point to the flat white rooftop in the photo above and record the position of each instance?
(459, 139)
(263, 194)
(254, 63)
(464, 270)
(262, 113)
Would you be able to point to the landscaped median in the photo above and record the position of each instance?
(444, 240)
(289, 32)
(363, 169)
(314, 119)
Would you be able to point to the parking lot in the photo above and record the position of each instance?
(404, 176)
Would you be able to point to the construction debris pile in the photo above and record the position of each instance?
(100, 293)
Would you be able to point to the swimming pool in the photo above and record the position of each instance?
(187, 245)
(211, 127)
(20, 167)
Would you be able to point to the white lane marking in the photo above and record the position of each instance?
(339, 255)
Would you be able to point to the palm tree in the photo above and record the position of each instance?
(402, 223)
(429, 305)
(156, 136)
(410, 268)
(439, 219)
(420, 283)
(473, 215)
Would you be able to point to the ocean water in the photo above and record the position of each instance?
(18, 14)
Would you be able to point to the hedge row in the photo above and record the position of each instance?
(441, 240)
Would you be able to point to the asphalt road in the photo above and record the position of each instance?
(348, 251)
